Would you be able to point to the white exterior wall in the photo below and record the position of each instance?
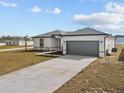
(18, 42)
(86, 38)
(22, 43)
(30, 43)
(12, 42)
(119, 40)
(2, 44)
(110, 43)
(113, 42)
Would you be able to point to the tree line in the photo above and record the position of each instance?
(2, 38)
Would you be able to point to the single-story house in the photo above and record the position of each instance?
(119, 39)
(2, 43)
(18, 42)
(86, 42)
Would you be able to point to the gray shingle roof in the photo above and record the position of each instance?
(85, 31)
(49, 34)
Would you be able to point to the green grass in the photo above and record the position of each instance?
(11, 61)
(105, 75)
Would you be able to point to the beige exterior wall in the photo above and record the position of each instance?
(49, 43)
(36, 43)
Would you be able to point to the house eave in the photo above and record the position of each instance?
(42, 37)
(88, 35)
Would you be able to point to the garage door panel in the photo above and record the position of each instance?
(87, 48)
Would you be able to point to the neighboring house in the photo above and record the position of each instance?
(86, 42)
(119, 39)
(18, 42)
(2, 43)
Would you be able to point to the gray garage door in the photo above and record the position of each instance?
(86, 48)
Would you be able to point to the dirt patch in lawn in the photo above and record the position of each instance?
(105, 75)
(14, 60)
(121, 56)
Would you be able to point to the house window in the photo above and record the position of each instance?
(41, 42)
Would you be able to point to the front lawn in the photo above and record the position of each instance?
(9, 47)
(105, 75)
(14, 60)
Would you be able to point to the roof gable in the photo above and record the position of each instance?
(86, 31)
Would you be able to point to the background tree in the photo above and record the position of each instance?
(26, 46)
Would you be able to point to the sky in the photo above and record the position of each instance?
(32, 17)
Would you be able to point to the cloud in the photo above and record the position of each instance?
(112, 19)
(55, 11)
(115, 28)
(103, 21)
(36, 9)
(102, 18)
(6, 4)
(115, 7)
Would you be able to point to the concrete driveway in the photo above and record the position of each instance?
(45, 77)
